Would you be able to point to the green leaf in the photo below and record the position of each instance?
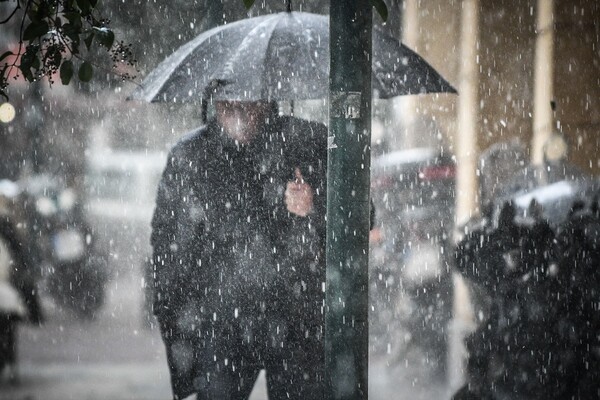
(381, 8)
(88, 40)
(78, 23)
(26, 71)
(86, 71)
(36, 64)
(35, 13)
(66, 72)
(3, 82)
(3, 77)
(72, 17)
(28, 58)
(72, 32)
(248, 3)
(84, 6)
(35, 30)
(6, 54)
(105, 36)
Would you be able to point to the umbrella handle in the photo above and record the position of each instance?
(210, 88)
(204, 111)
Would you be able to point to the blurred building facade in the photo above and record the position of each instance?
(489, 50)
(517, 48)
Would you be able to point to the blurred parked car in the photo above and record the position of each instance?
(121, 190)
(410, 272)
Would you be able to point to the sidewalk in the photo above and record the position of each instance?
(116, 358)
(111, 358)
(135, 381)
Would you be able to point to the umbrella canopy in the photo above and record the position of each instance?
(282, 56)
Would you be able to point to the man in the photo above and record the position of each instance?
(238, 236)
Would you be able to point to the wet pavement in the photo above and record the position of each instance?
(111, 357)
(117, 357)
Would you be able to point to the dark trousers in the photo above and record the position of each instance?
(289, 350)
(295, 378)
(222, 361)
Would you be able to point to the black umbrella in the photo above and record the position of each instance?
(282, 56)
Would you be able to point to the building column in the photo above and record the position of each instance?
(410, 37)
(544, 80)
(468, 106)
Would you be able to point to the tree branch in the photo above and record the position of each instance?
(12, 14)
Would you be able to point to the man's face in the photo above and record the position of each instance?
(241, 120)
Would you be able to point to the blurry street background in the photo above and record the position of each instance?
(112, 357)
(118, 357)
(428, 183)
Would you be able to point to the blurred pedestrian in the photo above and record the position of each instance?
(238, 238)
(18, 295)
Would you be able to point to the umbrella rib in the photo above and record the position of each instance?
(228, 67)
(292, 18)
(264, 72)
(164, 70)
(279, 56)
(311, 56)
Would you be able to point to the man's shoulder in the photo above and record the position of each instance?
(303, 129)
(194, 137)
(301, 123)
(192, 141)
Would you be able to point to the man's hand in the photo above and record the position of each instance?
(299, 196)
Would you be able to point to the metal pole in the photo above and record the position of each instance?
(544, 80)
(212, 19)
(348, 207)
(466, 146)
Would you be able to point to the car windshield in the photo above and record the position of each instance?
(112, 185)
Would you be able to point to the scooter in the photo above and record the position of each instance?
(428, 297)
(411, 296)
(410, 267)
(74, 271)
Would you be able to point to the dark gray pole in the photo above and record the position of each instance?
(213, 17)
(348, 207)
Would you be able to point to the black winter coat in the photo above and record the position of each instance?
(230, 261)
